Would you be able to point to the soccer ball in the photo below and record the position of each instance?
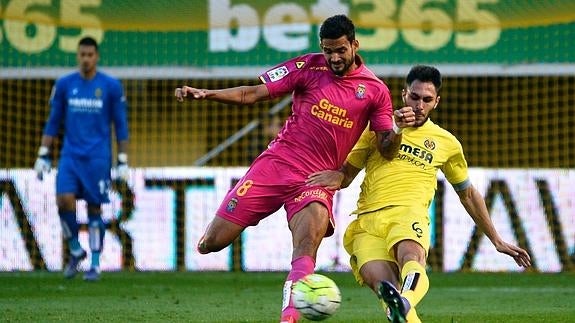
(316, 297)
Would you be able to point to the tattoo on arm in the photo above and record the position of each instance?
(388, 143)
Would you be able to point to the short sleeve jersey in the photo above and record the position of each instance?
(411, 177)
(329, 112)
(87, 108)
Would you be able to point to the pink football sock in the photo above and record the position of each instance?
(300, 267)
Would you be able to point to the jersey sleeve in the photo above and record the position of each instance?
(382, 114)
(119, 111)
(455, 169)
(283, 78)
(358, 156)
(57, 108)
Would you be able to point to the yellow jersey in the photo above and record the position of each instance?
(411, 177)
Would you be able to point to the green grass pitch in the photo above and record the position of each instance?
(256, 297)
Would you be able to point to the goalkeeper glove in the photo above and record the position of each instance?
(122, 171)
(43, 162)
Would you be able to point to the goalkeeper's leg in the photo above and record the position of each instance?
(70, 227)
(67, 212)
(96, 232)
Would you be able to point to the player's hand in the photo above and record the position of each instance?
(43, 163)
(122, 170)
(41, 166)
(520, 256)
(404, 117)
(182, 92)
(329, 179)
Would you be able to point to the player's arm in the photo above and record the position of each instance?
(475, 206)
(120, 116)
(235, 95)
(43, 162)
(122, 170)
(123, 146)
(47, 141)
(334, 179)
(349, 173)
(388, 142)
(57, 112)
(123, 152)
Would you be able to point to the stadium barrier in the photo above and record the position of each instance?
(155, 221)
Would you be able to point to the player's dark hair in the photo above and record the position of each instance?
(424, 73)
(88, 41)
(336, 26)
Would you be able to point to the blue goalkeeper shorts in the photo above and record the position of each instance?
(87, 178)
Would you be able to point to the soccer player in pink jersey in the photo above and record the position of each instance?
(335, 96)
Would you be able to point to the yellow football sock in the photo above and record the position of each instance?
(415, 282)
(412, 316)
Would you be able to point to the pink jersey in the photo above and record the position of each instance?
(329, 112)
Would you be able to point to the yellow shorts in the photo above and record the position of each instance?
(372, 235)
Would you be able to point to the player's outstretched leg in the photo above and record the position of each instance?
(301, 267)
(398, 306)
(71, 268)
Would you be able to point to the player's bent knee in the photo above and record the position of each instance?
(421, 259)
(219, 234)
(409, 250)
(202, 249)
(209, 244)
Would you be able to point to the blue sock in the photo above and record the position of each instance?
(95, 259)
(70, 229)
(96, 231)
(75, 247)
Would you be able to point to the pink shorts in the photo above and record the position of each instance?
(267, 185)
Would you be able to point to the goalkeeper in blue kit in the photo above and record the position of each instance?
(85, 103)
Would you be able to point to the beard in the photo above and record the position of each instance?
(86, 68)
(420, 121)
(340, 69)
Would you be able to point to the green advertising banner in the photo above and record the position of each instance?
(241, 33)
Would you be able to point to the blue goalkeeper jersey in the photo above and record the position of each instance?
(87, 108)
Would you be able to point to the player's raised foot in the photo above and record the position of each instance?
(398, 306)
(92, 275)
(387, 312)
(71, 268)
(289, 319)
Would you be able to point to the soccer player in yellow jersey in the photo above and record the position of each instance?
(389, 241)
